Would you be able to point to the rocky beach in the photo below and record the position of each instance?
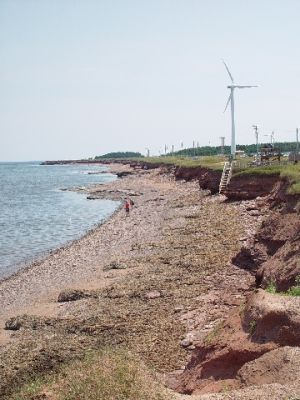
(170, 283)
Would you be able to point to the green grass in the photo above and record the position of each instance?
(108, 374)
(293, 291)
(213, 162)
(271, 288)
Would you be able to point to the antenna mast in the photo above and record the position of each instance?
(255, 127)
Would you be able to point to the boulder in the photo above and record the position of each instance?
(277, 366)
(273, 318)
(73, 295)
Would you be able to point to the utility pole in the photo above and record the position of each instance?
(255, 127)
(272, 137)
(172, 150)
(182, 152)
(222, 144)
(166, 148)
(297, 140)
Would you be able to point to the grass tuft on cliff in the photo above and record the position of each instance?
(292, 291)
(107, 374)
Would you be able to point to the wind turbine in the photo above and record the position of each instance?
(231, 101)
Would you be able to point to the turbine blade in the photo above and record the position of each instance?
(228, 101)
(245, 86)
(229, 73)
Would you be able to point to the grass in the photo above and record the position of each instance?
(217, 330)
(213, 162)
(252, 327)
(107, 374)
(293, 291)
(271, 288)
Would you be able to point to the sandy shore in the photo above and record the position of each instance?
(172, 252)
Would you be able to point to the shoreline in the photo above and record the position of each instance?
(172, 255)
(46, 271)
(41, 256)
(37, 262)
(34, 269)
(39, 259)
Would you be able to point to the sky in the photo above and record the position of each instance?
(80, 78)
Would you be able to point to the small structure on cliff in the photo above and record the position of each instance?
(269, 153)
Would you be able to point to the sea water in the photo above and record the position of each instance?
(37, 214)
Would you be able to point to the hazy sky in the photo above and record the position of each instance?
(84, 77)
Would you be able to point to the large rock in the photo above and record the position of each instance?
(274, 253)
(273, 318)
(277, 366)
(74, 294)
(13, 324)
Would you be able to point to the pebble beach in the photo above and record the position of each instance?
(159, 278)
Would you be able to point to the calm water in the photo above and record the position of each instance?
(36, 216)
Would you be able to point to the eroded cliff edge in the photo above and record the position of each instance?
(258, 344)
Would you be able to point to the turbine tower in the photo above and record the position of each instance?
(222, 144)
(231, 101)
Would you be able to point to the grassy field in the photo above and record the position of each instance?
(213, 162)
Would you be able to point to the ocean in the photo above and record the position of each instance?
(36, 215)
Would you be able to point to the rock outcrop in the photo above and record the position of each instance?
(273, 318)
(274, 253)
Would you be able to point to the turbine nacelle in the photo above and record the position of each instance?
(241, 86)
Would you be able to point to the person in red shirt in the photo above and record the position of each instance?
(127, 207)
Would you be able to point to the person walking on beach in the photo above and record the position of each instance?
(127, 207)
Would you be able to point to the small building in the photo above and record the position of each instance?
(269, 153)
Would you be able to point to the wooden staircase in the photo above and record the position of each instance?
(226, 176)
